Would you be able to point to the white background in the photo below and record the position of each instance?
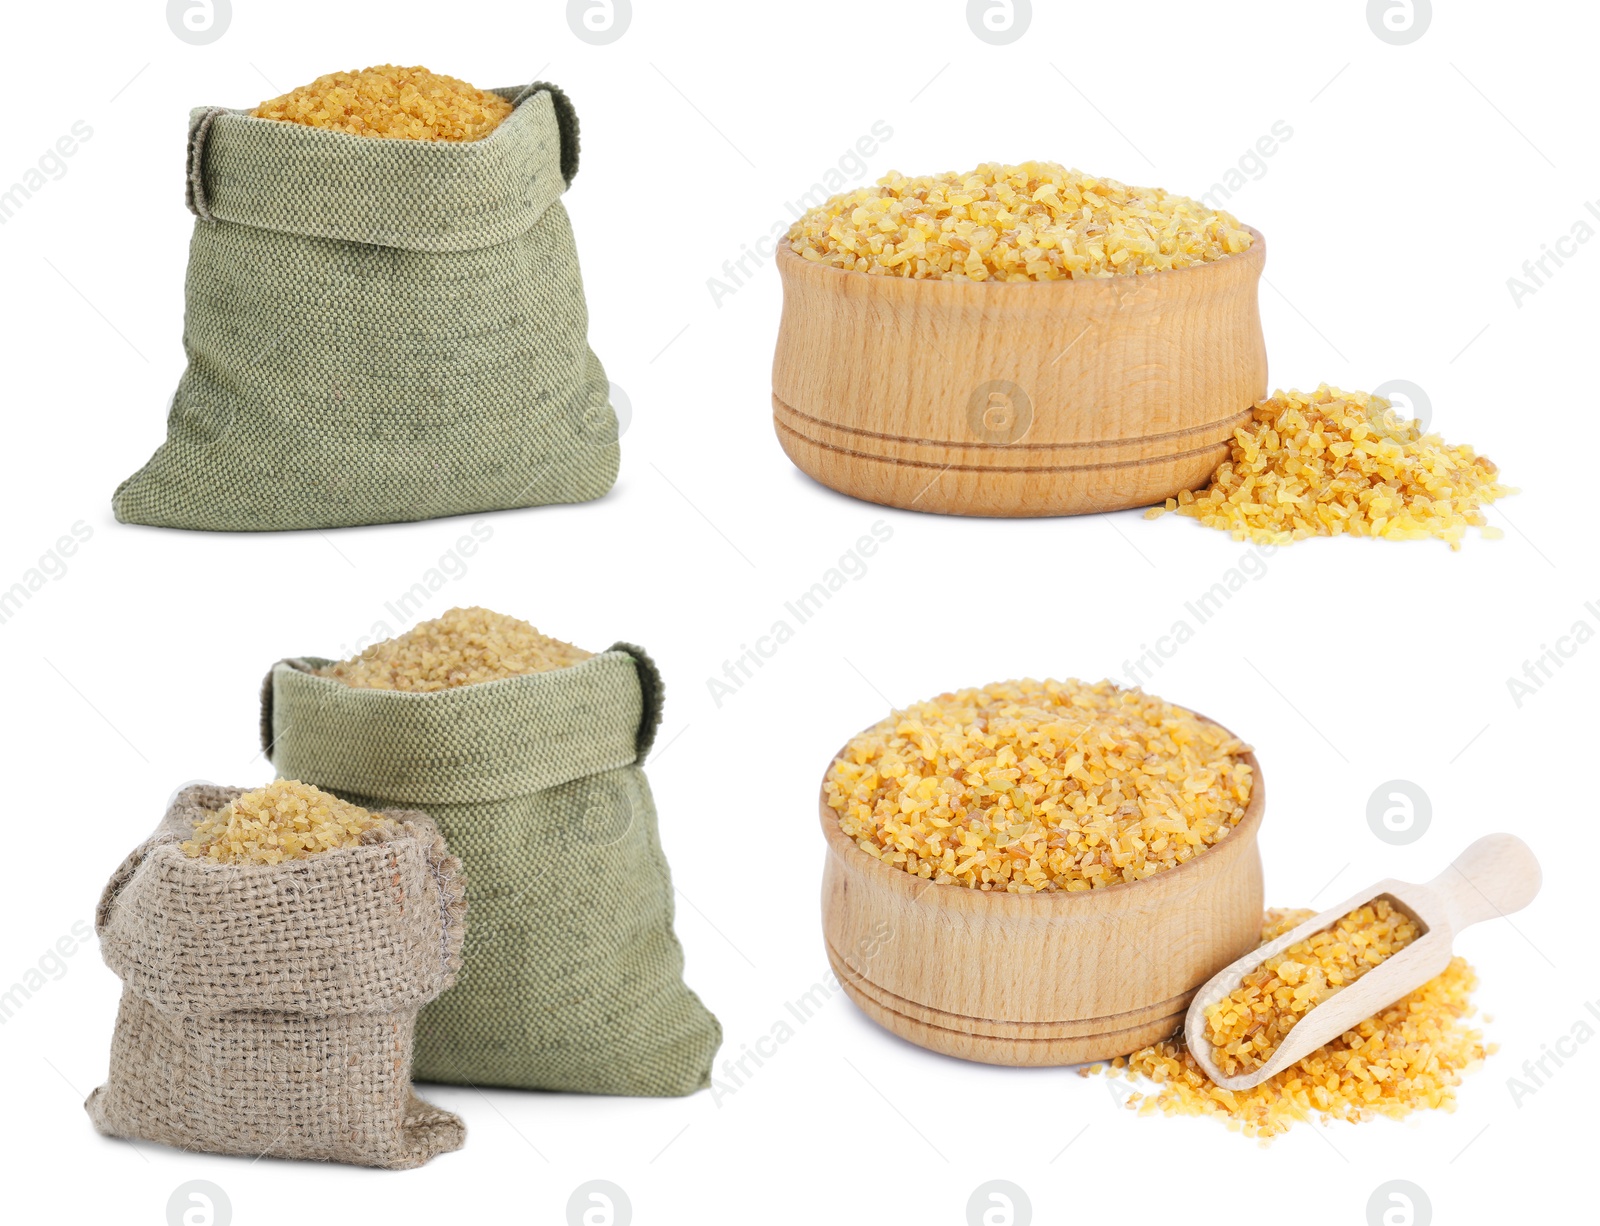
(1417, 181)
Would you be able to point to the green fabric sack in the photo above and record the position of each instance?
(572, 977)
(379, 330)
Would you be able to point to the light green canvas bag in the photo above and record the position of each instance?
(379, 330)
(572, 977)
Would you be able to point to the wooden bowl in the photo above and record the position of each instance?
(1016, 398)
(1038, 979)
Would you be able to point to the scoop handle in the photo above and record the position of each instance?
(1495, 876)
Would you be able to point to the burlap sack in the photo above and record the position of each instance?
(269, 1009)
(572, 975)
(379, 330)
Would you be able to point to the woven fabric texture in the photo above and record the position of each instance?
(271, 1009)
(379, 330)
(572, 977)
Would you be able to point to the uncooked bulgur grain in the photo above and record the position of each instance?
(286, 820)
(1405, 1058)
(1028, 786)
(387, 101)
(1332, 462)
(463, 647)
(1037, 221)
(1250, 1023)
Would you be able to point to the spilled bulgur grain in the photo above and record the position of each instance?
(1407, 1057)
(1248, 1024)
(402, 103)
(286, 820)
(464, 647)
(1331, 462)
(1027, 786)
(1037, 221)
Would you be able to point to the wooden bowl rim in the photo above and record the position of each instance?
(961, 896)
(788, 259)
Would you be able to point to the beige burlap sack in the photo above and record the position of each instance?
(270, 1009)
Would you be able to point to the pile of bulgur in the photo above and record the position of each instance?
(1037, 221)
(1247, 1025)
(463, 647)
(1331, 462)
(286, 820)
(1031, 786)
(1405, 1058)
(387, 101)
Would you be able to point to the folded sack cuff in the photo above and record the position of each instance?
(469, 744)
(431, 196)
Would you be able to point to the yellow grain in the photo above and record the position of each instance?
(286, 820)
(1037, 221)
(1406, 1058)
(1250, 1023)
(1032, 786)
(1330, 462)
(463, 647)
(387, 101)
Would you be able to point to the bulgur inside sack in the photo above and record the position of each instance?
(379, 329)
(572, 977)
(268, 1008)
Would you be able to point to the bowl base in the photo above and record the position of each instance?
(1014, 481)
(1015, 1044)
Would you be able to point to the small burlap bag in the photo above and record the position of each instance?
(379, 330)
(270, 1009)
(572, 977)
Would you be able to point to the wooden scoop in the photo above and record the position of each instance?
(1495, 876)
